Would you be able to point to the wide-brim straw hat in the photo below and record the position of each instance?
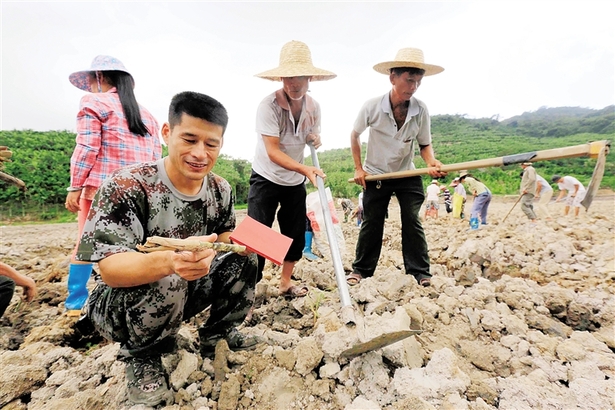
(296, 61)
(463, 174)
(408, 57)
(526, 164)
(81, 79)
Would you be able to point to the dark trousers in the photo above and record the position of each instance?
(7, 288)
(264, 198)
(376, 198)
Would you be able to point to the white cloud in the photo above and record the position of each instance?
(500, 58)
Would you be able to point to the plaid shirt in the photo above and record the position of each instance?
(104, 142)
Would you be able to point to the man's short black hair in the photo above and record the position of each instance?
(410, 70)
(199, 106)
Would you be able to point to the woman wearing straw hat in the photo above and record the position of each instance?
(286, 120)
(113, 131)
(397, 121)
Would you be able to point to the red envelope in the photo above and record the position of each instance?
(262, 240)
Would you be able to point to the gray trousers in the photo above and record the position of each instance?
(527, 205)
(145, 319)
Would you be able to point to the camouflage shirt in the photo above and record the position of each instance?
(140, 201)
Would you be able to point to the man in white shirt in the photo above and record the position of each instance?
(576, 192)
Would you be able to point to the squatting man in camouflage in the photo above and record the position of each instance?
(141, 299)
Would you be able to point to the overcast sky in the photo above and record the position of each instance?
(501, 58)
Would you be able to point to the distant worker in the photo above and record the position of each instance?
(459, 199)
(432, 199)
(482, 197)
(528, 190)
(347, 207)
(359, 213)
(544, 193)
(448, 203)
(576, 192)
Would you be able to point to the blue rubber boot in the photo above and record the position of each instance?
(307, 251)
(78, 276)
(474, 223)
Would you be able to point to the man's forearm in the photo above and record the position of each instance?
(355, 149)
(427, 154)
(130, 269)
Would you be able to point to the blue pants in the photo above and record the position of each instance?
(409, 193)
(480, 206)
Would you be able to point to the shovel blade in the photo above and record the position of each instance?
(594, 184)
(379, 342)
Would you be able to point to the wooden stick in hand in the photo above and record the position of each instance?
(157, 243)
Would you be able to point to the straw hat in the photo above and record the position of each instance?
(81, 80)
(463, 174)
(434, 181)
(296, 61)
(526, 164)
(408, 57)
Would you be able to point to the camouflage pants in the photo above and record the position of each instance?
(145, 319)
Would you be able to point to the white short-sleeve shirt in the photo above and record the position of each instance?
(544, 185)
(273, 118)
(569, 183)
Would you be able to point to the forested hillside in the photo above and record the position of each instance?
(41, 159)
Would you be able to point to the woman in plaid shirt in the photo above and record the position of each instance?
(113, 131)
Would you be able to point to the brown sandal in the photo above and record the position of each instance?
(353, 278)
(295, 291)
(425, 282)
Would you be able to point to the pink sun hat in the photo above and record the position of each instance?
(80, 79)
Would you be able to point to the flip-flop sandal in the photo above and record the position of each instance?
(295, 291)
(353, 278)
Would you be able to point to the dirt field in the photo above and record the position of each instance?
(518, 316)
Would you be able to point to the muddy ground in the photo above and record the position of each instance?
(517, 317)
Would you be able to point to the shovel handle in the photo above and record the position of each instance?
(515, 204)
(591, 150)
